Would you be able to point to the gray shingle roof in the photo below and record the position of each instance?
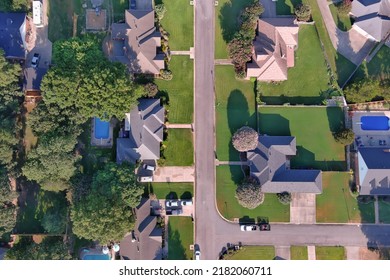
(148, 237)
(146, 133)
(374, 171)
(11, 40)
(268, 161)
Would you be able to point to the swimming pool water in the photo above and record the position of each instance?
(375, 123)
(102, 129)
(96, 257)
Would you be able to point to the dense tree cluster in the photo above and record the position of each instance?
(303, 12)
(7, 209)
(249, 194)
(160, 11)
(367, 90)
(345, 137)
(240, 48)
(245, 139)
(105, 213)
(15, 5)
(51, 248)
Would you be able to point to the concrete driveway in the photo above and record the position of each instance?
(303, 208)
(43, 45)
(179, 174)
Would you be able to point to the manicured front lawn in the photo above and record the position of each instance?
(307, 79)
(227, 179)
(180, 237)
(179, 90)
(172, 190)
(235, 107)
(179, 149)
(253, 253)
(330, 253)
(312, 127)
(179, 22)
(343, 21)
(299, 253)
(337, 205)
(384, 211)
(226, 24)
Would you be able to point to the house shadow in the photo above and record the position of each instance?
(273, 125)
(284, 7)
(305, 159)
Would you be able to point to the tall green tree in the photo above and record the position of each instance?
(52, 162)
(7, 218)
(6, 193)
(105, 213)
(84, 80)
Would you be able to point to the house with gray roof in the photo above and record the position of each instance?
(145, 242)
(274, 49)
(373, 172)
(143, 132)
(372, 18)
(135, 41)
(13, 35)
(269, 163)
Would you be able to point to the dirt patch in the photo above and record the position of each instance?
(37, 238)
(366, 254)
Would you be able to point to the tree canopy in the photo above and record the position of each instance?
(245, 139)
(84, 81)
(105, 213)
(367, 90)
(303, 12)
(345, 136)
(249, 194)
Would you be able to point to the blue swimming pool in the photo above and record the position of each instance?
(102, 129)
(375, 123)
(96, 257)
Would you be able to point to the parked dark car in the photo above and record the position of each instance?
(264, 227)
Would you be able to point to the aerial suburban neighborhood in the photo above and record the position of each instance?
(195, 130)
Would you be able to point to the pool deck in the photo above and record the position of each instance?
(107, 143)
(370, 138)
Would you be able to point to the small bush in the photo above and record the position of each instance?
(303, 12)
(345, 7)
(284, 197)
(151, 89)
(345, 137)
(166, 74)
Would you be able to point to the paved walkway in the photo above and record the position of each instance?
(173, 174)
(311, 253)
(223, 62)
(376, 208)
(175, 125)
(269, 8)
(303, 208)
(217, 162)
(283, 252)
(353, 253)
(190, 53)
(353, 45)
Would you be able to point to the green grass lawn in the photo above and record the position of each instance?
(180, 237)
(312, 127)
(253, 253)
(384, 211)
(174, 190)
(179, 149)
(306, 79)
(226, 24)
(298, 252)
(343, 21)
(235, 107)
(227, 179)
(179, 90)
(330, 253)
(337, 205)
(179, 22)
(377, 68)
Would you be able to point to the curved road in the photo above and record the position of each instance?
(212, 232)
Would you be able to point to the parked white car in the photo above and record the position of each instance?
(197, 255)
(248, 227)
(172, 203)
(186, 202)
(149, 167)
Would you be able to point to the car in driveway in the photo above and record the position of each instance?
(248, 227)
(197, 255)
(186, 202)
(149, 167)
(174, 212)
(172, 203)
(35, 60)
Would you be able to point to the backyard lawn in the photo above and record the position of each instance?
(235, 107)
(179, 22)
(312, 127)
(330, 253)
(172, 190)
(298, 253)
(384, 211)
(180, 237)
(378, 67)
(306, 80)
(179, 149)
(226, 24)
(179, 90)
(253, 253)
(227, 179)
(337, 205)
(343, 21)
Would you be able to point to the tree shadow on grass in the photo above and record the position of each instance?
(335, 118)
(176, 251)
